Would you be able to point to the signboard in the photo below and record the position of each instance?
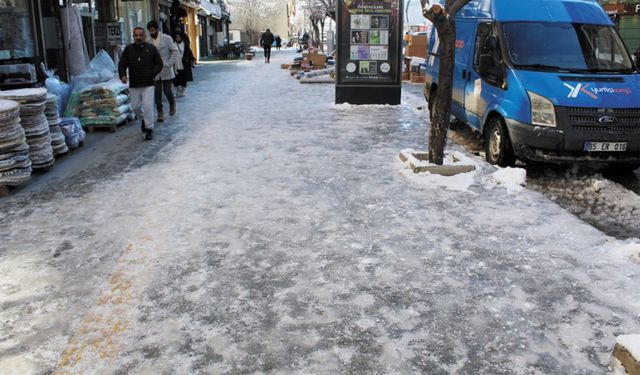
(114, 34)
(369, 51)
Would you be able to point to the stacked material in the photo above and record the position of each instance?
(35, 124)
(57, 138)
(73, 132)
(15, 165)
(105, 104)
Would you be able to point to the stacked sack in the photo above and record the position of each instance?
(34, 122)
(73, 132)
(58, 142)
(104, 104)
(15, 165)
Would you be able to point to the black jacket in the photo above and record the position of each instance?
(266, 40)
(143, 62)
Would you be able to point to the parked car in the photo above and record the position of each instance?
(552, 82)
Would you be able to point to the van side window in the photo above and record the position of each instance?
(486, 44)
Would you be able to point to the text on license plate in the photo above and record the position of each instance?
(605, 146)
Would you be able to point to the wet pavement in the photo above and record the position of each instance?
(266, 230)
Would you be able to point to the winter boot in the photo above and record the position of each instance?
(160, 116)
(143, 126)
(172, 111)
(149, 135)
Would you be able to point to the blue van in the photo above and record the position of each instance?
(543, 80)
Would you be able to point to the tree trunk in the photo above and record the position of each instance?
(442, 106)
(444, 21)
(322, 35)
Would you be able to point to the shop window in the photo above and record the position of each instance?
(133, 14)
(16, 29)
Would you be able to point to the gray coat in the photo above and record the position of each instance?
(169, 53)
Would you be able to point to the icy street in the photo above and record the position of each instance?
(266, 230)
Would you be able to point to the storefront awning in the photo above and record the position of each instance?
(211, 10)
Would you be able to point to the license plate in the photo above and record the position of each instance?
(605, 146)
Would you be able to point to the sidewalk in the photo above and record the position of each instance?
(272, 232)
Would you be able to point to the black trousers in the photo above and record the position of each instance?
(267, 53)
(165, 86)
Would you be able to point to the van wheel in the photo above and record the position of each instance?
(497, 146)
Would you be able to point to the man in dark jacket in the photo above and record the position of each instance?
(144, 63)
(266, 40)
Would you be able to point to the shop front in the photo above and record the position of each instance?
(21, 51)
(626, 15)
(211, 24)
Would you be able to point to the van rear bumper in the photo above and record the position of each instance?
(565, 145)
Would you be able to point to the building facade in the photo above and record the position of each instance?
(64, 35)
(626, 15)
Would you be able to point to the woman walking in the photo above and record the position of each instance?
(185, 62)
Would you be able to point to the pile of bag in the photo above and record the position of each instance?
(100, 69)
(73, 132)
(34, 122)
(104, 104)
(15, 165)
(58, 142)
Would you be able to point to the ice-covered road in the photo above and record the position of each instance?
(270, 232)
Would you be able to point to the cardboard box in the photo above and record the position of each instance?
(416, 51)
(416, 78)
(419, 40)
(318, 59)
(406, 76)
(285, 66)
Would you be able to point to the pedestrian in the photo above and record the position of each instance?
(185, 37)
(169, 53)
(278, 42)
(143, 62)
(637, 56)
(266, 41)
(185, 62)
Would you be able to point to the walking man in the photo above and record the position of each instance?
(169, 53)
(144, 63)
(266, 40)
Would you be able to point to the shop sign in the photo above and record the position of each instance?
(114, 34)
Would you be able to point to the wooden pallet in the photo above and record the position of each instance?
(112, 127)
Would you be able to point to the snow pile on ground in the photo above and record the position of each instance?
(596, 200)
(349, 106)
(426, 180)
(512, 179)
(630, 343)
(629, 250)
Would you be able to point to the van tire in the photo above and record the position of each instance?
(497, 145)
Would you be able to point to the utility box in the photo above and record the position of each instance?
(369, 52)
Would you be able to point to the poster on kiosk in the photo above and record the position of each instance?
(369, 52)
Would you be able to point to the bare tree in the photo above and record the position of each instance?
(444, 20)
(319, 10)
(254, 15)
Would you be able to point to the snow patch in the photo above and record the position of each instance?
(630, 250)
(631, 343)
(426, 180)
(349, 106)
(512, 179)
(616, 367)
